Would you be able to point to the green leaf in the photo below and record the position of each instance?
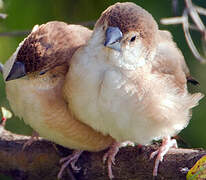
(198, 171)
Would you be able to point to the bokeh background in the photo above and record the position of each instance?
(24, 14)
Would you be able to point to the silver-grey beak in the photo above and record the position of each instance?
(113, 37)
(17, 71)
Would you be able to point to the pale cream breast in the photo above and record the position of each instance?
(43, 108)
(137, 105)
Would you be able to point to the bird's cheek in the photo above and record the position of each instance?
(126, 47)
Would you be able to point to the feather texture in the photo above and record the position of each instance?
(38, 98)
(138, 94)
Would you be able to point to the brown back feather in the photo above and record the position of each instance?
(51, 45)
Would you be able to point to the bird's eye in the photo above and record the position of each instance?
(133, 39)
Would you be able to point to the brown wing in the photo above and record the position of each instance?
(50, 45)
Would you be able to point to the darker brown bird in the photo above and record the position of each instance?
(35, 75)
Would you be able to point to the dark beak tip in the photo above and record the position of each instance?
(8, 78)
(17, 71)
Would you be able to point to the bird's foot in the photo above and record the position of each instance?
(167, 143)
(34, 137)
(71, 159)
(110, 155)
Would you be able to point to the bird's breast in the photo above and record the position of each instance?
(45, 110)
(138, 107)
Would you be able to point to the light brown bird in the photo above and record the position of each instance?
(129, 81)
(35, 75)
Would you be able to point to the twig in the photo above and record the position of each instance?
(192, 11)
(173, 20)
(177, 20)
(15, 33)
(194, 15)
(200, 10)
(189, 39)
(175, 6)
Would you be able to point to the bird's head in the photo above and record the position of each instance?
(48, 48)
(33, 57)
(128, 34)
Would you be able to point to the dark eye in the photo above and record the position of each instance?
(133, 39)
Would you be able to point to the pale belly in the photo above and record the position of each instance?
(47, 114)
(114, 106)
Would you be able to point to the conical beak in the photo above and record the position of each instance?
(17, 71)
(113, 37)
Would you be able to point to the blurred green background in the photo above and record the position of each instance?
(24, 14)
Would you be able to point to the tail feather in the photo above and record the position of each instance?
(195, 98)
(191, 80)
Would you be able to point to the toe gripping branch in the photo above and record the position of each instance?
(167, 143)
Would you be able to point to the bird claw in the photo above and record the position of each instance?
(153, 154)
(74, 167)
(110, 155)
(71, 159)
(105, 157)
(34, 137)
(167, 143)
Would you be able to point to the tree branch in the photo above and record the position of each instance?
(192, 11)
(14, 33)
(41, 161)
